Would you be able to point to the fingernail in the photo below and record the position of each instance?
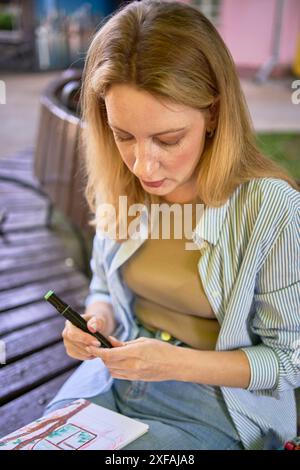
(96, 343)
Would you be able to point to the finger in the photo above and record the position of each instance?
(137, 340)
(109, 356)
(116, 342)
(95, 324)
(79, 353)
(75, 335)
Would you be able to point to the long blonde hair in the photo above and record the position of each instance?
(171, 50)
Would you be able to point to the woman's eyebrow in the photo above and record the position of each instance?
(153, 135)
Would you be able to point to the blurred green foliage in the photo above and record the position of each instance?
(284, 149)
(6, 21)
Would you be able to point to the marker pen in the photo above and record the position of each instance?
(74, 317)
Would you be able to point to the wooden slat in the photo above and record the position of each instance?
(32, 218)
(40, 237)
(43, 142)
(20, 343)
(24, 154)
(35, 273)
(21, 175)
(24, 259)
(16, 163)
(10, 195)
(30, 406)
(31, 245)
(52, 156)
(9, 187)
(36, 369)
(34, 292)
(16, 171)
(67, 170)
(21, 317)
(18, 204)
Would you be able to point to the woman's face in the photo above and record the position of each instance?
(157, 140)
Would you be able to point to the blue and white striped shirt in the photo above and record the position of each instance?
(250, 271)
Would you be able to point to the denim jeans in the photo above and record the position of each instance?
(180, 415)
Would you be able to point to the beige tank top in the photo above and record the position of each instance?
(169, 294)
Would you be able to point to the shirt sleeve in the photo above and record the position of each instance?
(98, 288)
(275, 360)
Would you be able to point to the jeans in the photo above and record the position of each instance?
(180, 415)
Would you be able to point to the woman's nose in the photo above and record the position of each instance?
(145, 166)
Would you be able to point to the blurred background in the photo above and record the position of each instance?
(39, 39)
(45, 239)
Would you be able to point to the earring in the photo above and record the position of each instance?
(210, 133)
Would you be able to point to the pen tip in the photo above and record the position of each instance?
(49, 293)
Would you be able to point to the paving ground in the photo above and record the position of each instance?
(19, 116)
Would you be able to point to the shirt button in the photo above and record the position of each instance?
(165, 336)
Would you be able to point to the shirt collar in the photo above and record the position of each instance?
(210, 224)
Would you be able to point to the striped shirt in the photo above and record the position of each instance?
(250, 271)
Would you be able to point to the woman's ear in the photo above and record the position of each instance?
(213, 115)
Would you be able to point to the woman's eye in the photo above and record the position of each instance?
(122, 139)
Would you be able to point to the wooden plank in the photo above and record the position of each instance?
(43, 235)
(35, 291)
(25, 209)
(20, 175)
(25, 157)
(36, 272)
(16, 163)
(36, 369)
(43, 142)
(30, 245)
(32, 217)
(16, 221)
(21, 317)
(9, 187)
(25, 154)
(32, 338)
(53, 155)
(16, 172)
(14, 204)
(28, 407)
(10, 195)
(71, 147)
(26, 258)
(31, 248)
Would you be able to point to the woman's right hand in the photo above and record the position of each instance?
(99, 317)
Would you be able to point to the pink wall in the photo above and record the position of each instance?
(246, 27)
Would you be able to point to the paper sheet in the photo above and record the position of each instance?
(81, 425)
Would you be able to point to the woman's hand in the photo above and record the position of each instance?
(99, 317)
(144, 359)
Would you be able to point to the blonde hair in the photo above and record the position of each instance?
(171, 50)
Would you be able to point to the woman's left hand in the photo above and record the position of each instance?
(146, 359)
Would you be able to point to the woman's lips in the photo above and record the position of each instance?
(154, 184)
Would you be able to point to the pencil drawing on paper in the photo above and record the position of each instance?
(63, 430)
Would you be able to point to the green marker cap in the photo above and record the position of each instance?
(49, 293)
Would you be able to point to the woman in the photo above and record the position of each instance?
(206, 339)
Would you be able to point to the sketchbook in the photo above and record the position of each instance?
(80, 425)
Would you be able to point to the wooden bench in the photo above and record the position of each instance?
(33, 260)
(58, 154)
